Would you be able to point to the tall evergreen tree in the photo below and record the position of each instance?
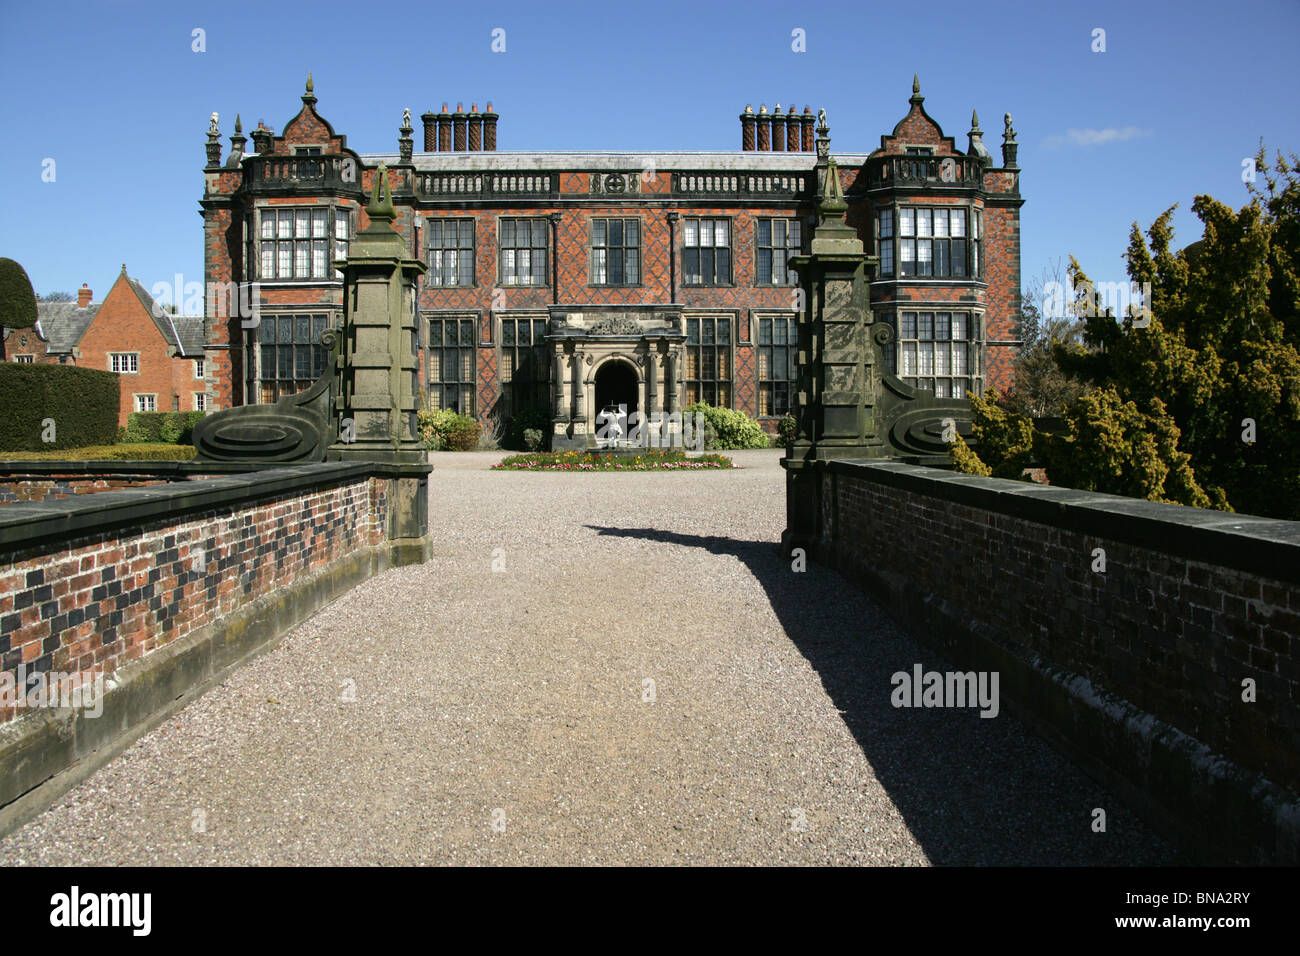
(1201, 405)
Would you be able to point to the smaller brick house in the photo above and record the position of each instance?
(159, 356)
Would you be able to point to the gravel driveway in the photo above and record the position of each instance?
(640, 680)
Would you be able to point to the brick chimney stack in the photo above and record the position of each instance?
(792, 135)
(806, 121)
(458, 125)
(475, 129)
(429, 120)
(747, 129)
(83, 296)
(778, 130)
(444, 130)
(764, 129)
(489, 129)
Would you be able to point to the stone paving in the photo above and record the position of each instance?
(593, 669)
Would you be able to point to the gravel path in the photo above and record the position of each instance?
(506, 717)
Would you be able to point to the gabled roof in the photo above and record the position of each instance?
(62, 324)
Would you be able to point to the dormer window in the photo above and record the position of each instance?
(306, 150)
(919, 150)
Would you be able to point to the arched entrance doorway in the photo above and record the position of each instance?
(616, 384)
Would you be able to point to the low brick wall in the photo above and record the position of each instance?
(1137, 670)
(162, 588)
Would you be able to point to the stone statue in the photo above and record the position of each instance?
(821, 117)
(212, 125)
(1008, 133)
(406, 117)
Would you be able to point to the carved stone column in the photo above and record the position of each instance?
(579, 404)
(670, 383)
(380, 390)
(561, 408)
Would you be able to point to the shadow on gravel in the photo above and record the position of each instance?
(972, 790)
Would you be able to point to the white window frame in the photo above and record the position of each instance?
(153, 401)
(937, 368)
(300, 243)
(134, 361)
(200, 401)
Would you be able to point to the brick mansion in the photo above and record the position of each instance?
(574, 280)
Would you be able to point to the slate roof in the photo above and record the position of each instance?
(190, 334)
(62, 324)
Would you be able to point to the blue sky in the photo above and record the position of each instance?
(113, 92)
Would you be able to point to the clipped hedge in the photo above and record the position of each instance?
(76, 406)
(149, 452)
(167, 428)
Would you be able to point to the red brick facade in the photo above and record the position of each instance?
(309, 166)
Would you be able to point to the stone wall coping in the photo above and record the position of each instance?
(1268, 547)
(30, 524)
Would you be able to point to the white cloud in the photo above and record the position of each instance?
(1095, 137)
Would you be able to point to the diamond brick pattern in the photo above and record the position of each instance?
(585, 193)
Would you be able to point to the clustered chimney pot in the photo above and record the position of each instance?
(778, 132)
(475, 129)
(429, 120)
(446, 132)
(83, 296)
(489, 129)
(458, 126)
(747, 129)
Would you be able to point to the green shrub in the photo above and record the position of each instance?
(533, 438)
(168, 428)
(78, 405)
(17, 300)
(732, 429)
(446, 430)
(787, 428)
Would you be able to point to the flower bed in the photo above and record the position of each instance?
(585, 461)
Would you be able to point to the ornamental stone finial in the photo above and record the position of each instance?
(212, 125)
